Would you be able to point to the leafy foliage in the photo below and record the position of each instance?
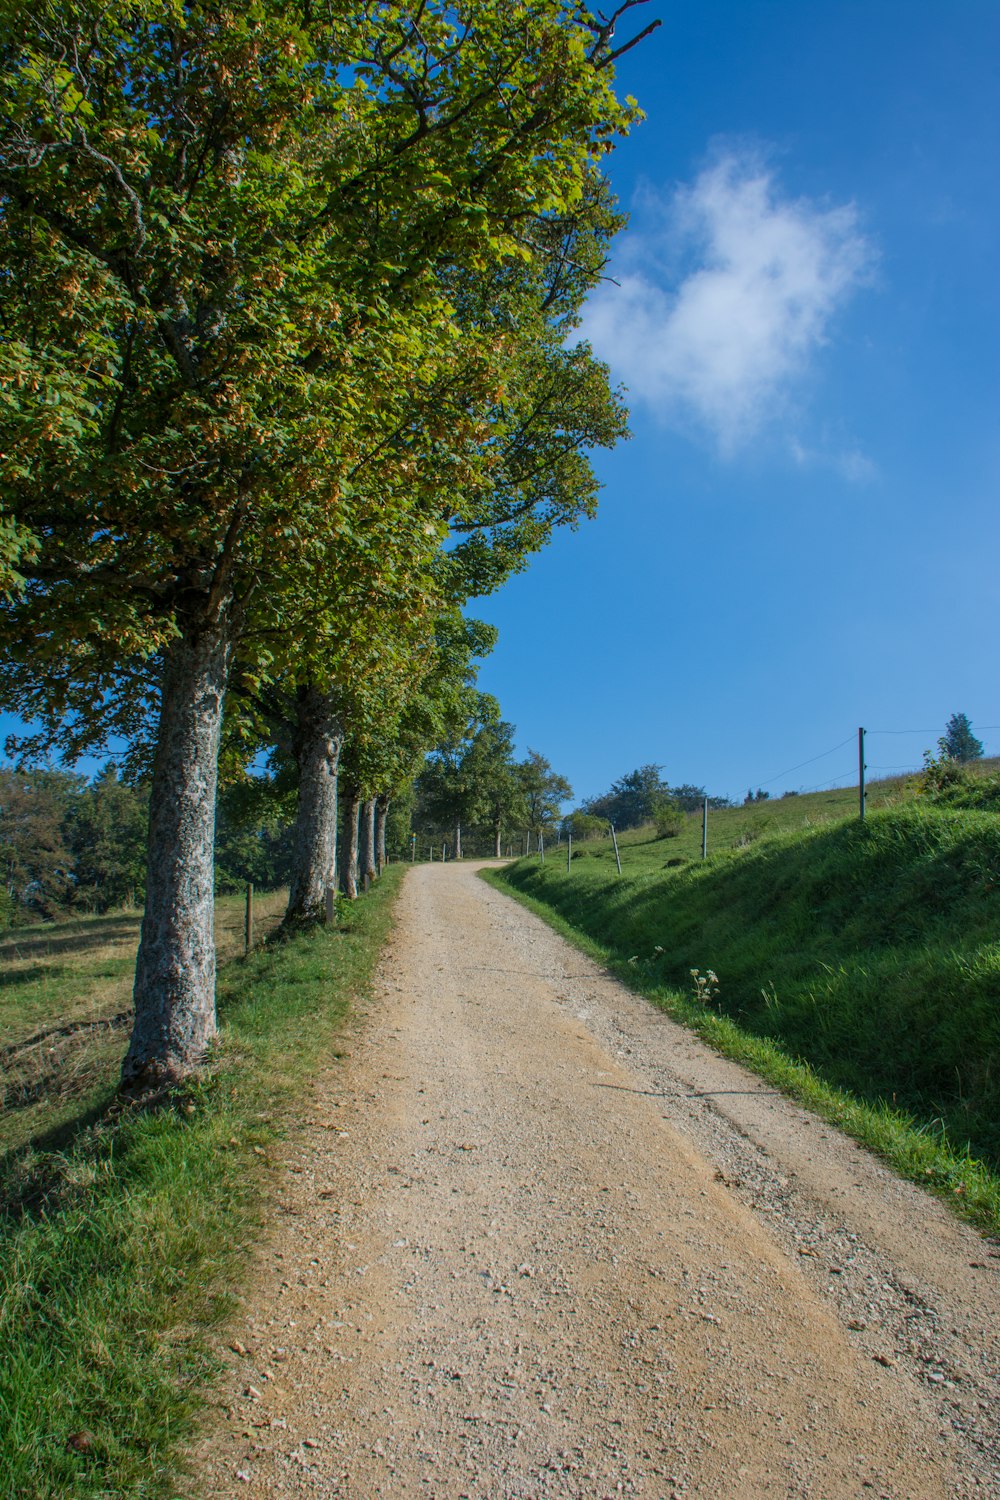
(949, 783)
(644, 796)
(69, 845)
(35, 856)
(544, 792)
(279, 286)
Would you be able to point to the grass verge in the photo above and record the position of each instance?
(914, 1149)
(120, 1247)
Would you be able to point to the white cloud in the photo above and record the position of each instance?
(720, 307)
(850, 463)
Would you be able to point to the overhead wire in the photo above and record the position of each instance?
(810, 762)
(870, 766)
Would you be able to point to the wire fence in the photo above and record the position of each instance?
(856, 776)
(850, 777)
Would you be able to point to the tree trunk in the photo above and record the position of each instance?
(349, 844)
(458, 841)
(496, 839)
(317, 737)
(381, 816)
(174, 990)
(367, 857)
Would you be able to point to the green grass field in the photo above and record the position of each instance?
(123, 1234)
(869, 953)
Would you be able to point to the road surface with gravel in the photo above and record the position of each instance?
(534, 1240)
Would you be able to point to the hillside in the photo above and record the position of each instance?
(868, 950)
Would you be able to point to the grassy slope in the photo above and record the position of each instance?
(121, 1243)
(869, 952)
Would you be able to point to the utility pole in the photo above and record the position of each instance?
(704, 829)
(861, 774)
(569, 849)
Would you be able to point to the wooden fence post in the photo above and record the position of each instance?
(614, 840)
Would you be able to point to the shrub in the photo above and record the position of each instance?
(584, 826)
(948, 783)
(669, 820)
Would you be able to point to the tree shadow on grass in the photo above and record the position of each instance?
(92, 932)
(33, 1174)
(13, 979)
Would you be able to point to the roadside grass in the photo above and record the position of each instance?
(858, 970)
(125, 1231)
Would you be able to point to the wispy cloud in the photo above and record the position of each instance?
(850, 463)
(726, 291)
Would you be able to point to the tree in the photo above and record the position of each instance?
(497, 787)
(36, 863)
(227, 236)
(448, 794)
(958, 741)
(106, 831)
(633, 799)
(544, 792)
(536, 406)
(580, 825)
(253, 830)
(690, 798)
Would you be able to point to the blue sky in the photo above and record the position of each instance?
(801, 535)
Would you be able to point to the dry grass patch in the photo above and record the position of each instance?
(66, 1008)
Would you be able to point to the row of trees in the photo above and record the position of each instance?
(69, 844)
(287, 377)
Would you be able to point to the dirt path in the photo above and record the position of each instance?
(536, 1241)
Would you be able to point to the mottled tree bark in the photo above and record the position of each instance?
(367, 852)
(349, 844)
(458, 840)
(316, 741)
(381, 816)
(175, 970)
(496, 839)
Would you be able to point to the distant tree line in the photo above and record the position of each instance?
(641, 796)
(73, 845)
(68, 843)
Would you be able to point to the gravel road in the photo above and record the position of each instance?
(534, 1240)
